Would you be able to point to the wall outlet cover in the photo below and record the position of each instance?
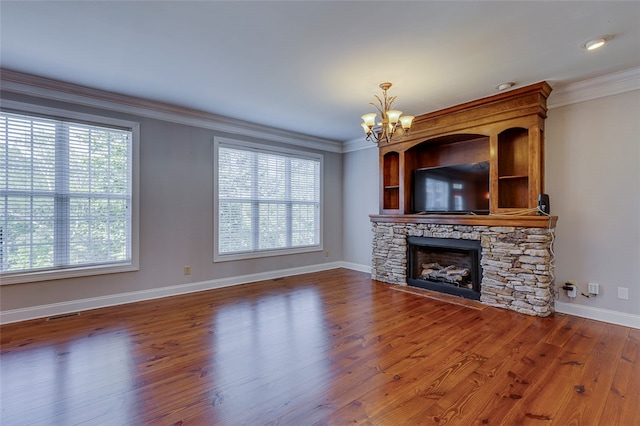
(623, 293)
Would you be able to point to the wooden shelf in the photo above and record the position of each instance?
(533, 221)
(391, 181)
(513, 193)
(392, 198)
(513, 152)
(513, 177)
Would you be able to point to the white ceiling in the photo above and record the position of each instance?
(313, 66)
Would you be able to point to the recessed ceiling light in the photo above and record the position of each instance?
(595, 43)
(505, 86)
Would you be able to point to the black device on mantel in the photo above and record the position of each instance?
(543, 204)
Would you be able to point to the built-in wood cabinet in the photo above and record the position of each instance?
(506, 129)
(390, 182)
(513, 168)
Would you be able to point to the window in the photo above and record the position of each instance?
(65, 198)
(268, 201)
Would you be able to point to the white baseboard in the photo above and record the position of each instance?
(613, 317)
(42, 311)
(357, 267)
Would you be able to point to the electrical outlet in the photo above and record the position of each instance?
(187, 270)
(574, 291)
(623, 293)
(326, 253)
(594, 288)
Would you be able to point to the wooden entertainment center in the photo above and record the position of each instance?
(506, 129)
(515, 256)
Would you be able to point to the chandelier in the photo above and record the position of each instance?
(393, 126)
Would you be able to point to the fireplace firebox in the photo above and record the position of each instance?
(446, 265)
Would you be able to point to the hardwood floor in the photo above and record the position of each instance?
(327, 348)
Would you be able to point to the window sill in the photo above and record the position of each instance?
(265, 253)
(29, 277)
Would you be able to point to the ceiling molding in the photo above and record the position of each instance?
(27, 84)
(357, 145)
(594, 88)
(17, 82)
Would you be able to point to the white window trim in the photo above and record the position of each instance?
(84, 271)
(217, 257)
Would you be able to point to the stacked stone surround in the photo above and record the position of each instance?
(517, 262)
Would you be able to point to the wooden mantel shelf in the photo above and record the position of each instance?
(472, 220)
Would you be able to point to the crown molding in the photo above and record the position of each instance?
(357, 145)
(27, 84)
(41, 87)
(594, 88)
(562, 95)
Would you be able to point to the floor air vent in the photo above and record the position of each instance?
(57, 317)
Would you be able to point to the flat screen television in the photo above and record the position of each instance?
(460, 189)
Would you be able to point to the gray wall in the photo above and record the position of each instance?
(361, 193)
(176, 218)
(593, 180)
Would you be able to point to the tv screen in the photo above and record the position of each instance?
(463, 188)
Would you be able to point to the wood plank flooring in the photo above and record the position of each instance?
(329, 348)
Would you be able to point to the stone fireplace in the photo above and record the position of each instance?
(516, 261)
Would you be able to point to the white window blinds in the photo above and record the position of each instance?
(266, 200)
(65, 194)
